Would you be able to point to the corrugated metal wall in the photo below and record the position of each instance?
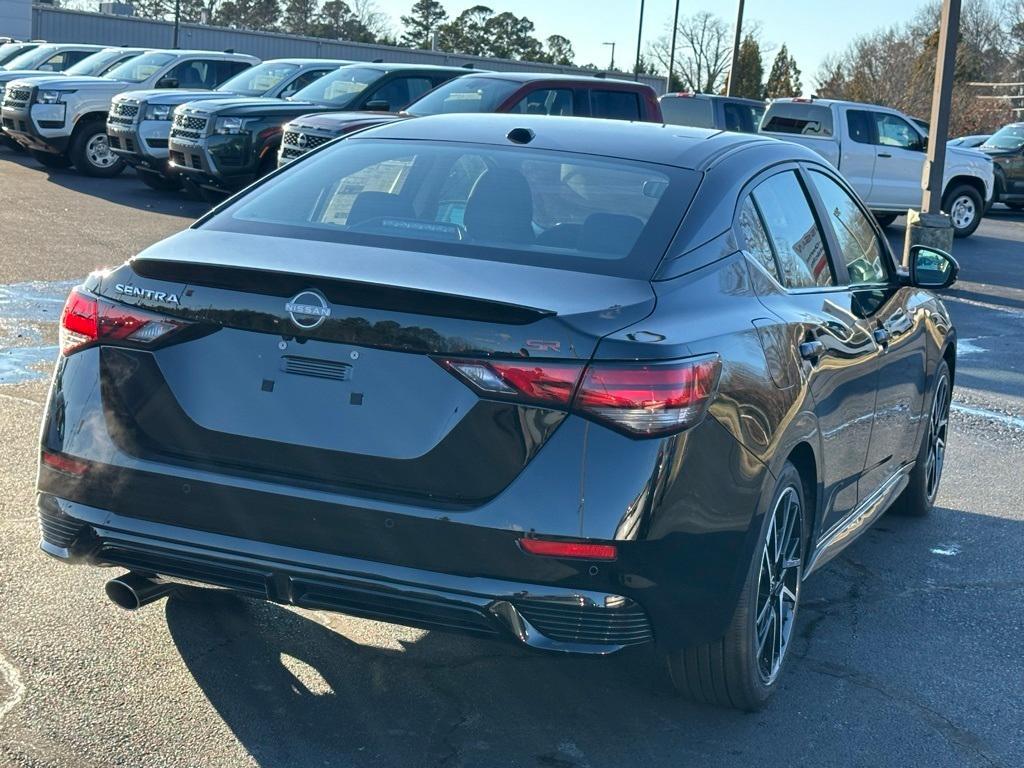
(65, 26)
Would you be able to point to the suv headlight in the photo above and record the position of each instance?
(229, 125)
(159, 112)
(53, 97)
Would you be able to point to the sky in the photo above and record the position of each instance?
(810, 28)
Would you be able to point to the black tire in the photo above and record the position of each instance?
(159, 182)
(732, 671)
(49, 159)
(918, 498)
(885, 219)
(9, 143)
(965, 208)
(91, 154)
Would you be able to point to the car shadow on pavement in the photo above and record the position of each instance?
(125, 189)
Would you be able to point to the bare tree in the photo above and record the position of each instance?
(703, 51)
(369, 14)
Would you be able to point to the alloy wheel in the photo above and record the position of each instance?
(778, 586)
(962, 212)
(938, 425)
(97, 150)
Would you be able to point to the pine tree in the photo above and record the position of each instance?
(748, 79)
(300, 17)
(511, 37)
(559, 50)
(467, 32)
(784, 79)
(422, 22)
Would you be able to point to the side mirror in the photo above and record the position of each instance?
(167, 82)
(378, 105)
(932, 268)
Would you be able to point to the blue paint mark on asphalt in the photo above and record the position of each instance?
(29, 314)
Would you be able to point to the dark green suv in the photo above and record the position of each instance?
(222, 145)
(1006, 148)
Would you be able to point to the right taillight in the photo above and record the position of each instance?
(640, 399)
(87, 319)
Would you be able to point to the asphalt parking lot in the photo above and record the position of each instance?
(910, 644)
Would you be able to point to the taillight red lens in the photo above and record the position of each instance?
(64, 463)
(641, 399)
(649, 399)
(530, 381)
(575, 549)
(87, 319)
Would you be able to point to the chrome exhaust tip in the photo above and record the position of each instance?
(133, 590)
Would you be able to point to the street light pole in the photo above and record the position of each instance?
(639, 39)
(177, 21)
(735, 49)
(612, 44)
(942, 96)
(672, 49)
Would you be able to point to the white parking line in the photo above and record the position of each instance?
(1003, 418)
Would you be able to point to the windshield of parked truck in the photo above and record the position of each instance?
(798, 117)
(9, 51)
(257, 80)
(31, 59)
(96, 64)
(1007, 137)
(464, 94)
(140, 68)
(340, 88)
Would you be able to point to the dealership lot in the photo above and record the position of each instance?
(909, 647)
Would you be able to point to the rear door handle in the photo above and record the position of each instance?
(812, 350)
(884, 154)
(882, 336)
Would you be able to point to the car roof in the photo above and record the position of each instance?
(385, 67)
(530, 77)
(201, 52)
(675, 145)
(311, 62)
(711, 97)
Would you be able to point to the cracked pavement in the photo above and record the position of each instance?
(908, 651)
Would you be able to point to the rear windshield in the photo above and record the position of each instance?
(1007, 137)
(140, 68)
(257, 80)
(339, 88)
(687, 110)
(799, 118)
(464, 94)
(511, 204)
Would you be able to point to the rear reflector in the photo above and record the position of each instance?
(576, 549)
(87, 319)
(640, 399)
(65, 463)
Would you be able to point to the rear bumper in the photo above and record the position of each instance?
(540, 616)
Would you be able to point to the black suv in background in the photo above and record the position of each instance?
(1006, 148)
(225, 144)
(523, 93)
(702, 110)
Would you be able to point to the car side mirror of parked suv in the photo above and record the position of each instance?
(378, 105)
(167, 82)
(932, 268)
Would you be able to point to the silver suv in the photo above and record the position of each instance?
(63, 120)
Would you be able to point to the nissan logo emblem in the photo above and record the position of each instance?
(308, 309)
(302, 141)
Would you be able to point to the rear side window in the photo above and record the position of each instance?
(554, 209)
(615, 105)
(858, 243)
(799, 118)
(195, 73)
(858, 123)
(401, 91)
(688, 110)
(756, 238)
(794, 232)
(545, 101)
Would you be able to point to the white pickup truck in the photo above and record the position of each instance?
(881, 152)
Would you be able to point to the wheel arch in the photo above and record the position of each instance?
(87, 118)
(971, 181)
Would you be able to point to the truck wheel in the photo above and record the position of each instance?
(50, 160)
(741, 669)
(90, 151)
(885, 219)
(159, 182)
(965, 208)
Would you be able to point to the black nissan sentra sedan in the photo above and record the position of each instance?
(578, 383)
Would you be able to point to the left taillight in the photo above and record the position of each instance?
(87, 319)
(640, 399)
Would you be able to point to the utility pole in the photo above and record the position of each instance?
(612, 44)
(177, 21)
(932, 227)
(639, 40)
(672, 49)
(735, 49)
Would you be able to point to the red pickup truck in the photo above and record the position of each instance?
(522, 92)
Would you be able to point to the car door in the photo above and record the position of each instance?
(889, 309)
(857, 160)
(899, 161)
(781, 230)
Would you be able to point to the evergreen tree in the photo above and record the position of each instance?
(337, 20)
(559, 50)
(424, 19)
(511, 37)
(784, 79)
(467, 32)
(300, 17)
(748, 79)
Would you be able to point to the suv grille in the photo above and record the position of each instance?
(123, 113)
(295, 144)
(571, 622)
(17, 97)
(188, 127)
